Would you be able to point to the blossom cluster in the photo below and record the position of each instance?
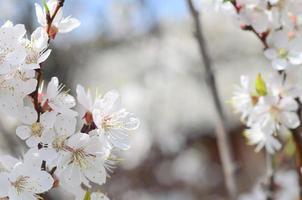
(58, 154)
(270, 107)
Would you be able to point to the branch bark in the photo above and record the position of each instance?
(221, 130)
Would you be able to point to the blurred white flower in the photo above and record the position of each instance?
(262, 137)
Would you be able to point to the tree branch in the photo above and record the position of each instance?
(221, 130)
(261, 36)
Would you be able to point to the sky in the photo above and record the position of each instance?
(97, 15)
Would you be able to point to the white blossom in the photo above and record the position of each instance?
(83, 159)
(36, 49)
(57, 99)
(24, 183)
(34, 131)
(113, 121)
(244, 99)
(59, 24)
(283, 51)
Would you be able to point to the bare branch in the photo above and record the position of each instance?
(221, 130)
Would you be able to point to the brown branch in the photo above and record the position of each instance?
(221, 130)
(35, 95)
(261, 36)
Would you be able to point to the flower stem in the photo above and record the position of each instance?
(221, 130)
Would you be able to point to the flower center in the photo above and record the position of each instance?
(254, 99)
(20, 183)
(3, 53)
(274, 111)
(282, 53)
(31, 58)
(79, 157)
(37, 129)
(59, 143)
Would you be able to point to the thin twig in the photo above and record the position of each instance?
(221, 130)
(261, 36)
(35, 95)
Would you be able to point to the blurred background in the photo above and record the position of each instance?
(146, 50)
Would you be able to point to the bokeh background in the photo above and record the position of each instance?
(146, 50)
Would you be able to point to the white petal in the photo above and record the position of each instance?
(290, 119)
(65, 125)
(72, 175)
(23, 132)
(68, 24)
(40, 15)
(48, 119)
(33, 141)
(23, 195)
(78, 140)
(96, 173)
(295, 58)
(84, 99)
(52, 88)
(44, 56)
(288, 104)
(40, 181)
(279, 64)
(271, 53)
(4, 185)
(28, 115)
(98, 196)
